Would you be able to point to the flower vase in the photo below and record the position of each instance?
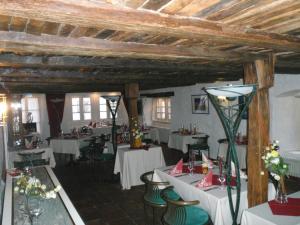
(33, 206)
(137, 143)
(281, 196)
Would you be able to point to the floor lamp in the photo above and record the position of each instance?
(113, 103)
(238, 99)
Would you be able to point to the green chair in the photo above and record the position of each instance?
(180, 212)
(199, 146)
(152, 193)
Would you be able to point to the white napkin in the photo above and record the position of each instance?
(28, 144)
(206, 160)
(233, 173)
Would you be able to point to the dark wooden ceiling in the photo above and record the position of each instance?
(94, 45)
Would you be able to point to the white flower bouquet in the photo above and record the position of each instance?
(31, 186)
(274, 162)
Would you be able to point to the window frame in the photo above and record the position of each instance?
(26, 109)
(81, 108)
(162, 110)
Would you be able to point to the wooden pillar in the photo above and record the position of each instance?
(131, 95)
(260, 72)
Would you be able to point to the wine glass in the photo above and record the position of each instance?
(191, 166)
(222, 177)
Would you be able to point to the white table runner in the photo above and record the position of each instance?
(132, 163)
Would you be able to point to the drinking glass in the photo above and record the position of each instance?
(222, 177)
(191, 166)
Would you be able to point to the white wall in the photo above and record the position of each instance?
(284, 111)
(182, 113)
(68, 123)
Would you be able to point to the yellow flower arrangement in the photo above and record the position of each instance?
(273, 161)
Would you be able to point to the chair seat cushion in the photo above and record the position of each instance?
(196, 216)
(155, 198)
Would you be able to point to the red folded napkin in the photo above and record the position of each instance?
(177, 168)
(215, 180)
(197, 169)
(291, 208)
(205, 181)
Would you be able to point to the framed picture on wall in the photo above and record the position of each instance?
(200, 104)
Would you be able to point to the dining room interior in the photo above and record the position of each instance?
(177, 112)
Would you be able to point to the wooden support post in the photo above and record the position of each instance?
(131, 95)
(260, 72)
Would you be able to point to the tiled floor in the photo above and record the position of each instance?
(99, 199)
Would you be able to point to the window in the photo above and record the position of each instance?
(81, 108)
(30, 105)
(162, 109)
(76, 108)
(86, 108)
(103, 108)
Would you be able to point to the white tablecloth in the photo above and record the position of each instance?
(109, 147)
(132, 163)
(262, 215)
(180, 142)
(102, 130)
(69, 146)
(214, 202)
(48, 154)
(292, 158)
(153, 134)
(241, 151)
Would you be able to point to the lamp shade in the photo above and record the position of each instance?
(230, 91)
(112, 98)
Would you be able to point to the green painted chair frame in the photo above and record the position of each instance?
(201, 145)
(179, 212)
(152, 195)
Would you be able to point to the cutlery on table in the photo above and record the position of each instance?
(212, 188)
(181, 175)
(193, 182)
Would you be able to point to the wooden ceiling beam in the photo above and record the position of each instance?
(76, 62)
(19, 42)
(95, 14)
(105, 77)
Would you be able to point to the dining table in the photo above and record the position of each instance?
(262, 215)
(152, 133)
(58, 211)
(102, 130)
(213, 199)
(69, 145)
(132, 163)
(241, 151)
(180, 141)
(13, 155)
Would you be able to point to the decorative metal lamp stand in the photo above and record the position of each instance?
(113, 103)
(230, 115)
